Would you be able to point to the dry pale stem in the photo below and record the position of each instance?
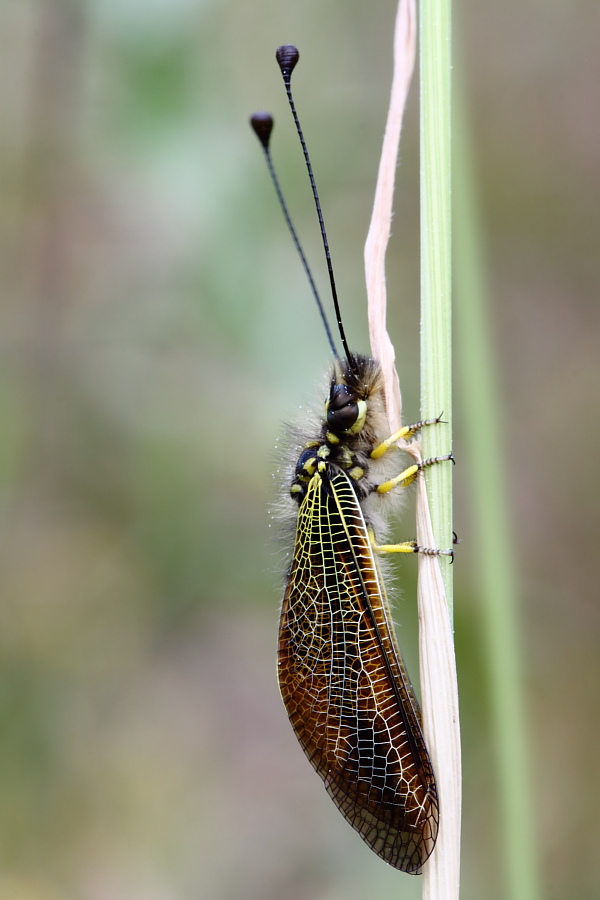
(438, 669)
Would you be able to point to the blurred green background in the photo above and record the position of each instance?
(157, 330)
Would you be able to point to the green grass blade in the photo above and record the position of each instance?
(485, 436)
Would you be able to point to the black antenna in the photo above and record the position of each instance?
(262, 123)
(287, 56)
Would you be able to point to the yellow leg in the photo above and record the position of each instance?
(404, 547)
(405, 479)
(407, 476)
(407, 547)
(407, 431)
(411, 547)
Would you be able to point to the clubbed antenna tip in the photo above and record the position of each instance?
(262, 125)
(287, 56)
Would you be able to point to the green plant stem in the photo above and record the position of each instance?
(436, 268)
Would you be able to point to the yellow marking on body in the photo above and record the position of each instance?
(323, 452)
(345, 458)
(360, 421)
(405, 478)
(356, 473)
(332, 438)
(310, 466)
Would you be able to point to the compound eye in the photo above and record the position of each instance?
(342, 408)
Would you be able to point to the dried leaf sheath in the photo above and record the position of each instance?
(343, 681)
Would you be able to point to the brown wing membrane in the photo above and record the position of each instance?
(343, 683)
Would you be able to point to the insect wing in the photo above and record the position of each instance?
(343, 682)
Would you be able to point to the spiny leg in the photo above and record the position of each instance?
(407, 431)
(411, 547)
(406, 547)
(407, 476)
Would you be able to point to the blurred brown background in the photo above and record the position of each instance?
(156, 330)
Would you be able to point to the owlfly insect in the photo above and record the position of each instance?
(341, 675)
